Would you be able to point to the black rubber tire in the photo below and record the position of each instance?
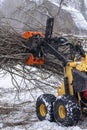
(47, 100)
(72, 110)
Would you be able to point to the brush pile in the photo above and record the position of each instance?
(13, 51)
(12, 48)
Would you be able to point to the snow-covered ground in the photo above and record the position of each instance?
(17, 110)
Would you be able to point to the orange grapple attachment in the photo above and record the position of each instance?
(35, 61)
(29, 34)
(31, 59)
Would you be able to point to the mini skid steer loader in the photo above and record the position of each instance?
(67, 108)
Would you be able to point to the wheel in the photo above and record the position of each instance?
(66, 110)
(44, 107)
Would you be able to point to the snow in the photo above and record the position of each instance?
(38, 2)
(1, 1)
(8, 95)
(85, 2)
(77, 16)
(46, 125)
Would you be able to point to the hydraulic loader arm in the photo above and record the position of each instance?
(37, 41)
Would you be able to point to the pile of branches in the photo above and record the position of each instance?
(12, 48)
(13, 51)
